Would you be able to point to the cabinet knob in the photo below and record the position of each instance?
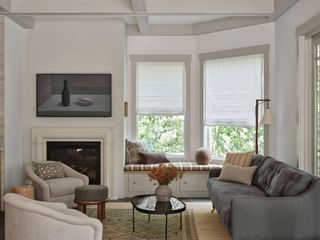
(134, 182)
(185, 182)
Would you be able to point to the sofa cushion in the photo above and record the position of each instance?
(237, 174)
(63, 186)
(242, 159)
(222, 193)
(278, 179)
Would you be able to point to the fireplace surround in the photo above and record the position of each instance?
(104, 136)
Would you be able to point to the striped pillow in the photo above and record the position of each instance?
(239, 159)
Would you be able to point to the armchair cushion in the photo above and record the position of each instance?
(63, 186)
(48, 170)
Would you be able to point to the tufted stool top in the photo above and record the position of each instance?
(91, 193)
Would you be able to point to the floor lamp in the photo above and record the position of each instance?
(266, 120)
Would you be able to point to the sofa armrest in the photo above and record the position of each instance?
(296, 217)
(69, 172)
(214, 172)
(41, 187)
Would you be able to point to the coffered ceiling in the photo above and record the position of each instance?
(155, 17)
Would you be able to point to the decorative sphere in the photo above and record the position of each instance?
(203, 156)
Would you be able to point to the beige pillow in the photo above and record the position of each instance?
(242, 159)
(232, 173)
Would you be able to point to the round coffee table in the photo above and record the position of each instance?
(148, 204)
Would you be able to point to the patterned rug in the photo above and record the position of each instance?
(118, 225)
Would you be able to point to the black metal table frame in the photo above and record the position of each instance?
(159, 213)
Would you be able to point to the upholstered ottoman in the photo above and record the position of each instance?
(92, 195)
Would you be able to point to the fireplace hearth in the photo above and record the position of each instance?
(84, 157)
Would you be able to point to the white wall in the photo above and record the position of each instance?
(77, 45)
(193, 45)
(14, 61)
(286, 75)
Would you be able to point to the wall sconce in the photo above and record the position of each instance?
(266, 120)
(125, 109)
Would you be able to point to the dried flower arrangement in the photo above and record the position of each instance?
(164, 174)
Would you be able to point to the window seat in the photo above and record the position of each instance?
(182, 166)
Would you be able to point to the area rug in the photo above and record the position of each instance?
(208, 225)
(118, 225)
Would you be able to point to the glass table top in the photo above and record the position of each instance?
(149, 204)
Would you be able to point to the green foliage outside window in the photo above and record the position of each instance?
(166, 134)
(163, 133)
(226, 139)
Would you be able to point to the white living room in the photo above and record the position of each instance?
(144, 119)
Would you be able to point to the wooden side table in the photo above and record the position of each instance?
(101, 204)
(26, 191)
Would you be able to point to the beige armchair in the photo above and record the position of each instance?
(59, 189)
(27, 219)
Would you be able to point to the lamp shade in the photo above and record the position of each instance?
(267, 118)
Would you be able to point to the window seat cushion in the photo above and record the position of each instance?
(182, 166)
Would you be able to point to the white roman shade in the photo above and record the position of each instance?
(160, 88)
(231, 86)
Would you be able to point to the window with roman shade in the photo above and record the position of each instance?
(160, 105)
(160, 88)
(231, 85)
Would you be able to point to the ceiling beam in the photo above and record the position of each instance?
(139, 7)
(226, 24)
(5, 5)
(280, 7)
(222, 24)
(26, 22)
(71, 6)
(230, 7)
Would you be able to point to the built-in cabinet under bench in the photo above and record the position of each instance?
(192, 184)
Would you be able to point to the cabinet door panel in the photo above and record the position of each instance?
(139, 182)
(194, 182)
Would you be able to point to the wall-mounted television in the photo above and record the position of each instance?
(74, 95)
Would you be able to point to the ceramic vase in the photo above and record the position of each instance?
(163, 193)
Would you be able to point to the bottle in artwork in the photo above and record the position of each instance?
(65, 95)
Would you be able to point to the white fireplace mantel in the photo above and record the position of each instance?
(40, 137)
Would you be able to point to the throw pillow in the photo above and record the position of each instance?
(48, 170)
(232, 173)
(239, 159)
(133, 148)
(153, 158)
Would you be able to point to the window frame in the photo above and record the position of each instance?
(306, 139)
(315, 163)
(239, 52)
(164, 58)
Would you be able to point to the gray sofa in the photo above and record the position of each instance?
(282, 203)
